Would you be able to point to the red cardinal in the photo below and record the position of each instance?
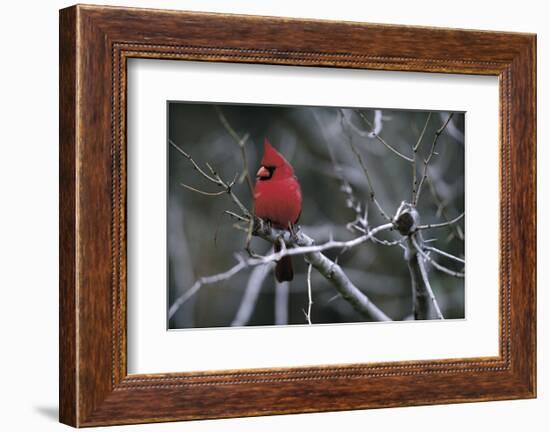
(278, 199)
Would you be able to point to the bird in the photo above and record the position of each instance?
(278, 200)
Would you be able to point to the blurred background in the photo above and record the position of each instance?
(202, 240)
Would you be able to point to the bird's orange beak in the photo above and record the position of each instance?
(263, 172)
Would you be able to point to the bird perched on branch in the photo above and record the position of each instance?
(278, 200)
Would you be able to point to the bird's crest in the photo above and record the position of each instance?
(272, 158)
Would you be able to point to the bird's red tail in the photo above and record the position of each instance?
(283, 268)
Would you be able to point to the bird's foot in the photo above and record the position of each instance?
(294, 231)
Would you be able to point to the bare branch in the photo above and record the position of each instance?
(206, 280)
(425, 305)
(228, 188)
(453, 131)
(364, 168)
(388, 242)
(241, 142)
(433, 262)
(309, 249)
(445, 254)
(429, 158)
(195, 165)
(375, 135)
(236, 216)
(419, 141)
(191, 188)
(415, 151)
(215, 178)
(310, 302)
(442, 224)
(442, 209)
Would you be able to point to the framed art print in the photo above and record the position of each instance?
(282, 216)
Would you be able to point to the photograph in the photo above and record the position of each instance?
(308, 215)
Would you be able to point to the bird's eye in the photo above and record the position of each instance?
(265, 172)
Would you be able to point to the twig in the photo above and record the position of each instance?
(388, 242)
(442, 224)
(206, 280)
(429, 158)
(415, 151)
(421, 136)
(379, 138)
(453, 131)
(354, 226)
(351, 200)
(195, 165)
(241, 142)
(191, 188)
(442, 208)
(236, 216)
(433, 262)
(215, 178)
(445, 254)
(360, 223)
(228, 189)
(365, 171)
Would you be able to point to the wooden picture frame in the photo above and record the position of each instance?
(95, 44)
